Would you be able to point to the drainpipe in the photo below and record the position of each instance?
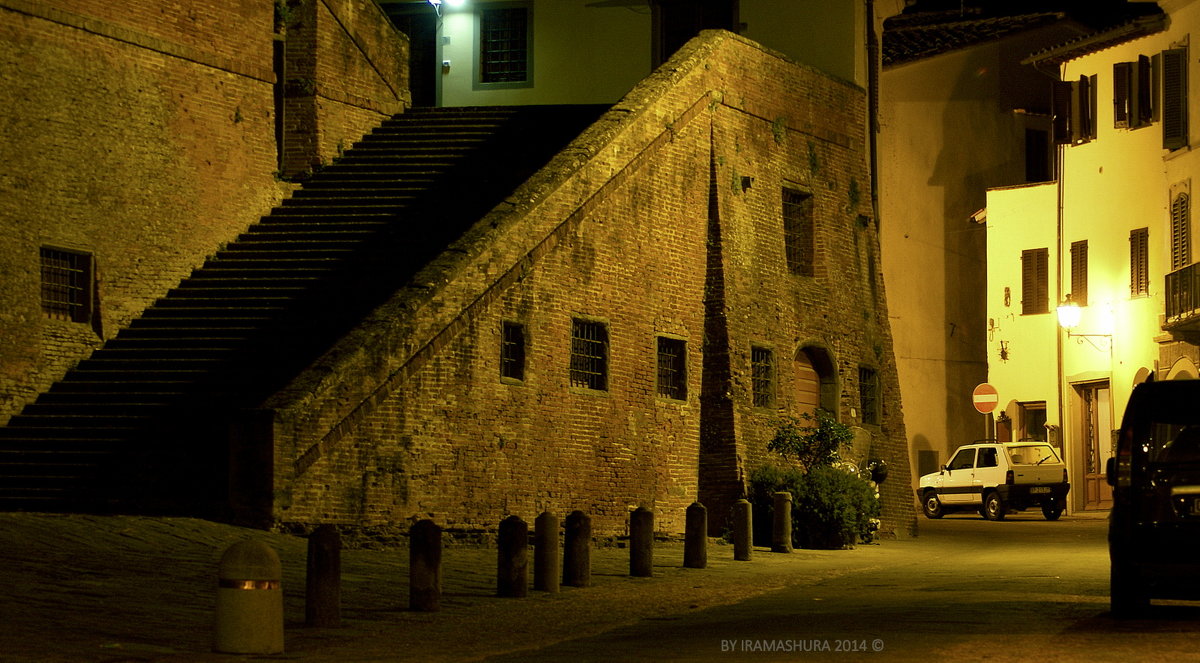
(1060, 376)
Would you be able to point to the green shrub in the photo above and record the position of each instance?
(832, 508)
(818, 442)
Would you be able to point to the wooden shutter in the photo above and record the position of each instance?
(1139, 267)
(1035, 282)
(1088, 100)
(1079, 272)
(1121, 84)
(1181, 231)
(1174, 98)
(1140, 97)
(1062, 92)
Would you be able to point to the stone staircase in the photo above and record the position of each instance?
(142, 425)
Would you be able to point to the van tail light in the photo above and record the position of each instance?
(1008, 478)
(1064, 475)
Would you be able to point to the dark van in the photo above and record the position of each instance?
(1154, 527)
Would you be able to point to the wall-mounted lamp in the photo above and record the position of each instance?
(1069, 314)
(437, 4)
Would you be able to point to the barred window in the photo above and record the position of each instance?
(66, 284)
(589, 355)
(798, 231)
(868, 394)
(672, 368)
(762, 370)
(512, 351)
(504, 39)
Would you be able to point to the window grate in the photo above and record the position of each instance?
(798, 231)
(672, 368)
(66, 281)
(589, 355)
(762, 370)
(512, 351)
(504, 45)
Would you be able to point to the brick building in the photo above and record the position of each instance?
(617, 321)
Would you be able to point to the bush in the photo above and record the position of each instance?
(818, 442)
(832, 508)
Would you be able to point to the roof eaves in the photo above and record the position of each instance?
(1096, 41)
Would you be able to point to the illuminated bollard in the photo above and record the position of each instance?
(743, 530)
(249, 614)
(545, 553)
(512, 567)
(425, 566)
(323, 582)
(781, 533)
(641, 543)
(577, 550)
(695, 537)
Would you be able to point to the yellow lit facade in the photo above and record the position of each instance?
(1112, 236)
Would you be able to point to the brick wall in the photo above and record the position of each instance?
(408, 416)
(143, 132)
(346, 69)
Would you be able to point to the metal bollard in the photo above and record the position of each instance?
(781, 533)
(743, 530)
(249, 614)
(641, 543)
(695, 537)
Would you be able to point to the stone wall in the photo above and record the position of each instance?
(142, 132)
(408, 416)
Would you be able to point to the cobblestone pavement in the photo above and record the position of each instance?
(123, 588)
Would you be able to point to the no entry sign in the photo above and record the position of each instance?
(985, 398)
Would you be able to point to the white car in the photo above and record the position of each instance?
(995, 478)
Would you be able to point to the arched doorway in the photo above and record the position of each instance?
(816, 381)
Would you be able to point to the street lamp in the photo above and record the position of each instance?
(1069, 314)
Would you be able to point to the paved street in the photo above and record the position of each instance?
(81, 588)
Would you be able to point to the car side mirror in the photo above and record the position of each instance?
(943, 470)
(1110, 471)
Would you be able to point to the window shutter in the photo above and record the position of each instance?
(1088, 98)
(1062, 112)
(1174, 101)
(1121, 96)
(1181, 235)
(1140, 110)
(1139, 268)
(1035, 282)
(1079, 272)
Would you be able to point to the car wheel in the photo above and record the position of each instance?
(993, 506)
(1126, 595)
(932, 505)
(1052, 509)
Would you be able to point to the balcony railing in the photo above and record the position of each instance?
(1183, 294)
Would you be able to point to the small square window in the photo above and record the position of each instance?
(868, 394)
(512, 351)
(672, 368)
(589, 355)
(66, 284)
(762, 371)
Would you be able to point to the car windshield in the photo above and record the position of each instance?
(1032, 454)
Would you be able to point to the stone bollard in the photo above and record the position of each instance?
(249, 614)
(323, 581)
(743, 530)
(545, 553)
(695, 537)
(512, 569)
(577, 550)
(641, 543)
(424, 566)
(781, 532)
